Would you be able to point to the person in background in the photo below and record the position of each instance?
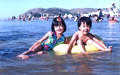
(112, 11)
(47, 17)
(100, 15)
(95, 19)
(78, 15)
(76, 18)
(115, 14)
(59, 15)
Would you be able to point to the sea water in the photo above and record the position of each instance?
(18, 36)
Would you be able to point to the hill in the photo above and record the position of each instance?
(54, 11)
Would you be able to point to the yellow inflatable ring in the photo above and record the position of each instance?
(89, 48)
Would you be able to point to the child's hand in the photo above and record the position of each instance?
(23, 56)
(110, 48)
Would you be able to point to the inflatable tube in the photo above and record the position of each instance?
(89, 48)
(112, 21)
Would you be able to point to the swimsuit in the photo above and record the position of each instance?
(53, 42)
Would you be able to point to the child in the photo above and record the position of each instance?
(83, 37)
(53, 37)
(95, 18)
(111, 13)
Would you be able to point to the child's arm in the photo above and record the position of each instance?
(38, 43)
(41, 40)
(66, 41)
(70, 45)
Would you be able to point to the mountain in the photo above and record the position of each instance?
(50, 11)
(55, 11)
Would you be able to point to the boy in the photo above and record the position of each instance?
(83, 37)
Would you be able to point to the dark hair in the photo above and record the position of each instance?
(99, 9)
(56, 22)
(86, 20)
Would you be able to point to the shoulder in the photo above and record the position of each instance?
(77, 33)
(49, 32)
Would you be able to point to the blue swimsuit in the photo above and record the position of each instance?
(53, 42)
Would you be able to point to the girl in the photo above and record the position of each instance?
(53, 37)
(83, 37)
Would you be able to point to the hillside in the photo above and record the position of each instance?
(55, 11)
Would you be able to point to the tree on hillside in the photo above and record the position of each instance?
(36, 15)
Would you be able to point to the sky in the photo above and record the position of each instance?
(9, 8)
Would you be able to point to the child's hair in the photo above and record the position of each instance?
(84, 20)
(99, 9)
(56, 21)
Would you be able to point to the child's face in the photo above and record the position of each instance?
(59, 29)
(84, 28)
